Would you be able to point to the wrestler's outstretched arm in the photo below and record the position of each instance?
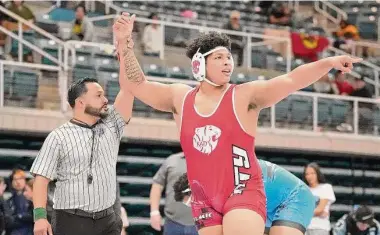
(264, 94)
(157, 95)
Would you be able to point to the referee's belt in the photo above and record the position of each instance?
(93, 215)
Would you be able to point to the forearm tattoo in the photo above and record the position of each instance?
(133, 72)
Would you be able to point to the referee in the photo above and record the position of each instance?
(81, 156)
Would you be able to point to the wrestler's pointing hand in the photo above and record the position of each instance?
(344, 63)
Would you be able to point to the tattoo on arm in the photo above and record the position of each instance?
(133, 72)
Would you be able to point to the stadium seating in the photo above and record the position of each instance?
(364, 14)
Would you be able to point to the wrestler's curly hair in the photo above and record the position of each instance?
(207, 42)
(179, 186)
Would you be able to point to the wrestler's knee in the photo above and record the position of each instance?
(243, 221)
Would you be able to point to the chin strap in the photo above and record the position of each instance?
(211, 83)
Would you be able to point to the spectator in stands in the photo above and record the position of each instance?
(265, 6)
(21, 10)
(179, 219)
(324, 193)
(344, 86)
(325, 85)
(3, 210)
(124, 218)
(82, 27)
(362, 90)
(21, 208)
(280, 14)
(28, 191)
(237, 42)
(50, 196)
(345, 34)
(152, 37)
(359, 222)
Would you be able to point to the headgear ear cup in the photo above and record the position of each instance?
(198, 66)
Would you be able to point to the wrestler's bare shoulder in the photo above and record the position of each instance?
(179, 92)
(248, 88)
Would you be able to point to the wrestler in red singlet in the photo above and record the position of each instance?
(223, 171)
(222, 167)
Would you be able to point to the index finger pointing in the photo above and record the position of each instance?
(357, 60)
(132, 19)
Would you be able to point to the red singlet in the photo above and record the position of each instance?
(222, 167)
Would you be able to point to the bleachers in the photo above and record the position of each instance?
(355, 179)
(364, 14)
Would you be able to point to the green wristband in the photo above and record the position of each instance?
(39, 213)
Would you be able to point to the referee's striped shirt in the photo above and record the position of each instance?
(65, 156)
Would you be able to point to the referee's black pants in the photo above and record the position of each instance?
(65, 223)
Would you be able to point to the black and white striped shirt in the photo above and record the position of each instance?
(65, 156)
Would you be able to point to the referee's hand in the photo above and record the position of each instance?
(155, 222)
(42, 227)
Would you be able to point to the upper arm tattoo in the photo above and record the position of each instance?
(133, 72)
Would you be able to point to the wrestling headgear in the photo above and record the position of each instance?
(198, 65)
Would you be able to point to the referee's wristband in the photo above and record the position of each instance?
(155, 212)
(39, 213)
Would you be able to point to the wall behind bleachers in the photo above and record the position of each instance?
(43, 121)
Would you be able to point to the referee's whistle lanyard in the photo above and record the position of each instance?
(89, 176)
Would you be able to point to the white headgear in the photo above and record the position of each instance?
(198, 65)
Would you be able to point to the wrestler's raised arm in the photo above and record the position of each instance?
(157, 95)
(264, 94)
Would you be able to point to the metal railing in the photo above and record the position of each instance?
(311, 121)
(328, 6)
(22, 41)
(247, 37)
(61, 76)
(376, 69)
(21, 21)
(354, 45)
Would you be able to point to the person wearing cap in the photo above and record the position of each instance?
(359, 222)
(365, 109)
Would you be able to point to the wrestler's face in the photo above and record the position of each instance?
(219, 66)
(311, 176)
(362, 226)
(94, 101)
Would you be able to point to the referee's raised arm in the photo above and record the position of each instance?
(44, 168)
